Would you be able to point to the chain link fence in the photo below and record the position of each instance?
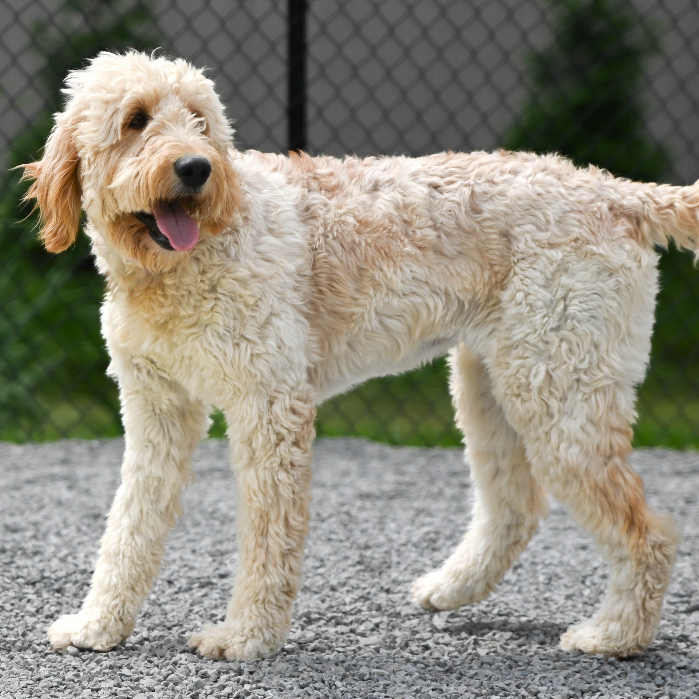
(614, 83)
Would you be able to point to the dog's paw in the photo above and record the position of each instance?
(606, 637)
(437, 591)
(232, 641)
(87, 631)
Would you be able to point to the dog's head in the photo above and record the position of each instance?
(143, 146)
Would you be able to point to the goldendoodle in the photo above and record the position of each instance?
(263, 284)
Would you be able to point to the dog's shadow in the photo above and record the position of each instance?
(524, 629)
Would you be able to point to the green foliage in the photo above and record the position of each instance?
(52, 361)
(414, 408)
(585, 102)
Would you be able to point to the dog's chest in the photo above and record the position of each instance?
(217, 338)
(196, 339)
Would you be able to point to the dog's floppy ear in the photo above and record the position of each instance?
(56, 188)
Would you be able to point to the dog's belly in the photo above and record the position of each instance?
(399, 334)
(357, 364)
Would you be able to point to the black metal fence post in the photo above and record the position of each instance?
(296, 81)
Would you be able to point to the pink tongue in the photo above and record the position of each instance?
(179, 227)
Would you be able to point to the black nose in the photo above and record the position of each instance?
(193, 170)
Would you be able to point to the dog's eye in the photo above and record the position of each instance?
(202, 120)
(139, 121)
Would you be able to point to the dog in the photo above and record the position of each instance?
(263, 284)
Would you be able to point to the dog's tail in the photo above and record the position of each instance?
(660, 212)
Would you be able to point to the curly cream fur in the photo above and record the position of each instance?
(313, 274)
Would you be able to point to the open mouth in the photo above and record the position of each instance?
(155, 232)
(170, 226)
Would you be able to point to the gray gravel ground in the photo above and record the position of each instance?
(381, 516)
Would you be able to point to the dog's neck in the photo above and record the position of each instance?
(120, 272)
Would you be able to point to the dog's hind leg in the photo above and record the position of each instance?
(564, 366)
(271, 449)
(582, 461)
(508, 502)
(163, 427)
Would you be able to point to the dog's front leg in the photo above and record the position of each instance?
(163, 427)
(272, 461)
